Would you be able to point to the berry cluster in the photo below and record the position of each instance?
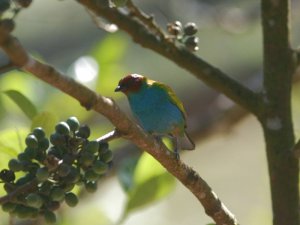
(50, 170)
(13, 7)
(6, 4)
(184, 34)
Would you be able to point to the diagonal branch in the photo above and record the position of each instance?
(145, 32)
(105, 106)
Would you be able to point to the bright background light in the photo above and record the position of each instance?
(86, 69)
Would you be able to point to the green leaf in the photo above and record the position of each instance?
(110, 50)
(126, 173)
(46, 120)
(23, 102)
(109, 53)
(151, 183)
(11, 143)
(64, 106)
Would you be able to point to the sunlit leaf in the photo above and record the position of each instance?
(111, 49)
(151, 183)
(12, 142)
(46, 120)
(108, 54)
(64, 106)
(23, 102)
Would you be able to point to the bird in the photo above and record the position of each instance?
(157, 109)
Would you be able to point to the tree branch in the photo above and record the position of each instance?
(127, 128)
(144, 31)
(279, 68)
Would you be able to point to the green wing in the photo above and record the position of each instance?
(173, 98)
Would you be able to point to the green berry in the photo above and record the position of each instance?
(44, 144)
(25, 179)
(100, 167)
(92, 146)
(191, 43)
(57, 139)
(68, 187)
(91, 186)
(63, 170)
(73, 176)
(42, 174)
(45, 188)
(190, 29)
(57, 194)
(7, 175)
(24, 157)
(23, 211)
(39, 133)
(62, 128)
(4, 5)
(49, 216)
(8, 207)
(32, 167)
(87, 158)
(24, 3)
(90, 175)
(107, 156)
(15, 165)
(41, 156)
(31, 141)
(55, 152)
(177, 23)
(34, 200)
(53, 205)
(83, 132)
(9, 187)
(7, 24)
(103, 147)
(30, 153)
(73, 123)
(71, 199)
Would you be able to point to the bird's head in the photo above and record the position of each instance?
(131, 83)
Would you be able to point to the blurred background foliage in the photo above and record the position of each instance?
(63, 34)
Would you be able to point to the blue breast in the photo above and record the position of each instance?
(155, 112)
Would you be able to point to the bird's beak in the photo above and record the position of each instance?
(119, 88)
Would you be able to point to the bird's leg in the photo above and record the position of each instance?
(176, 149)
(157, 138)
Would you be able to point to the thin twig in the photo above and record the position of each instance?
(21, 189)
(110, 136)
(148, 20)
(108, 27)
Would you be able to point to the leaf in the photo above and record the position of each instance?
(46, 120)
(64, 106)
(126, 173)
(109, 53)
(111, 49)
(23, 102)
(151, 183)
(11, 142)
(150, 191)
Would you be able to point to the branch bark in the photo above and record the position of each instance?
(89, 99)
(279, 67)
(145, 32)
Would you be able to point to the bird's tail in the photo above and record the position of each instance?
(185, 142)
